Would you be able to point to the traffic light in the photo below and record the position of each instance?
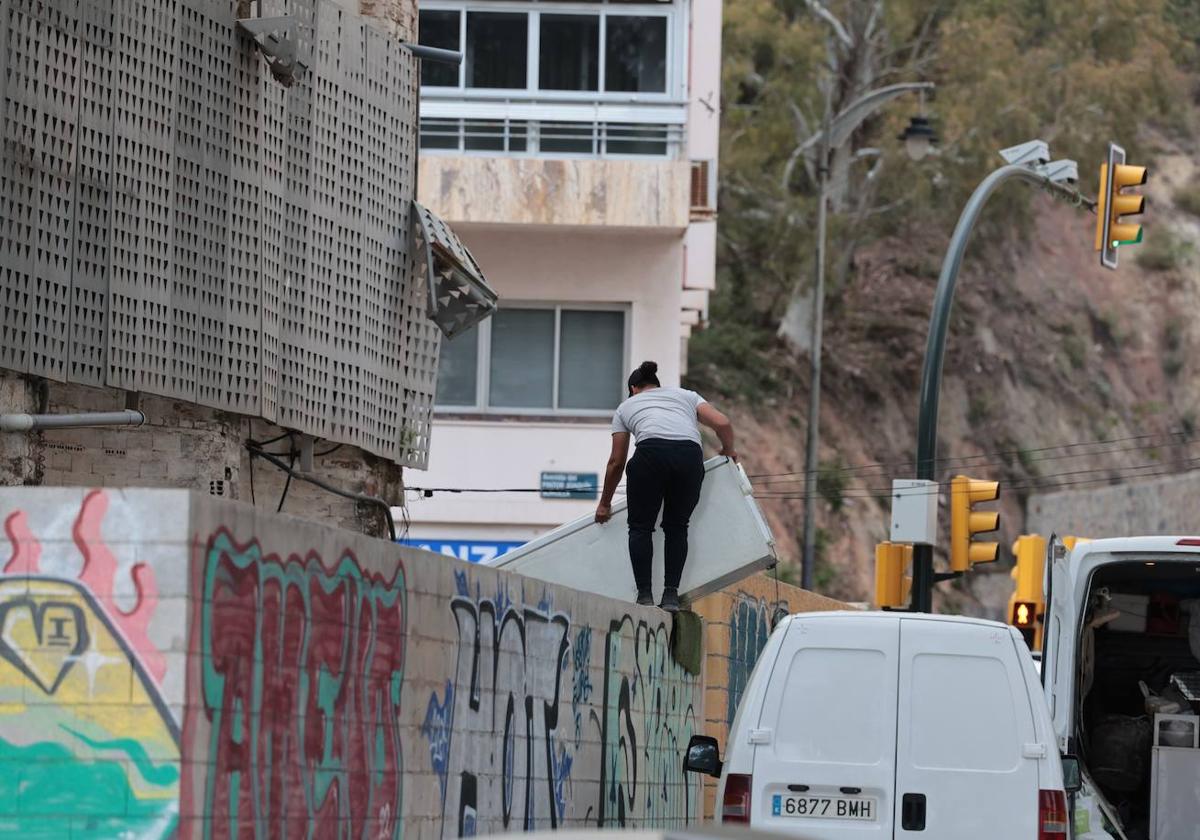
(1112, 205)
(965, 522)
(892, 582)
(1027, 605)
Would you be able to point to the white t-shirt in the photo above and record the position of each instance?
(662, 413)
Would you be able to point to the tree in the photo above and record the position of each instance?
(1074, 74)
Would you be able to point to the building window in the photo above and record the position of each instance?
(497, 50)
(635, 54)
(598, 52)
(569, 52)
(440, 28)
(537, 359)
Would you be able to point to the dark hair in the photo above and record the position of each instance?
(646, 374)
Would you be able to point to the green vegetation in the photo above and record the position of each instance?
(831, 483)
(1006, 71)
(1187, 198)
(824, 570)
(980, 408)
(1187, 423)
(1107, 328)
(1076, 350)
(1173, 356)
(1163, 251)
(730, 358)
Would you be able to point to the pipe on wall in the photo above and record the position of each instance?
(34, 422)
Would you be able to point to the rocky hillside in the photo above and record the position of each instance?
(1046, 351)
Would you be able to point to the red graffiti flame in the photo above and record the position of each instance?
(99, 574)
(26, 550)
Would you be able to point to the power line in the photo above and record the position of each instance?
(773, 485)
(1182, 440)
(1040, 483)
(769, 482)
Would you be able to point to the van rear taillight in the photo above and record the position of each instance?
(1052, 815)
(735, 806)
(1189, 541)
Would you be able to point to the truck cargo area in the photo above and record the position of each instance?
(1140, 657)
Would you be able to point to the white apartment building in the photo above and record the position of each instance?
(575, 153)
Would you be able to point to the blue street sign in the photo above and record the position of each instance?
(556, 485)
(472, 551)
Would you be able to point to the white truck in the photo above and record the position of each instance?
(1121, 671)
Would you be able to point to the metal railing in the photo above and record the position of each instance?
(550, 138)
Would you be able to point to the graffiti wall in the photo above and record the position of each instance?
(89, 688)
(560, 709)
(178, 665)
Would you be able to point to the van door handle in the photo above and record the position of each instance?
(912, 812)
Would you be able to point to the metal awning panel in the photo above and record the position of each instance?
(458, 294)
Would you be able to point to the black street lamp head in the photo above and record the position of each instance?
(919, 138)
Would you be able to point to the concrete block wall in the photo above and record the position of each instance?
(1155, 506)
(737, 622)
(177, 664)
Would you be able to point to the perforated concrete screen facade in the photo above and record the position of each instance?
(176, 222)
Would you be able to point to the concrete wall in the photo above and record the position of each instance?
(185, 446)
(738, 622)
(399, 17)
(1158, 506)
(173, 662)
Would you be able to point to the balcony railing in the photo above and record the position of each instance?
(551, 138)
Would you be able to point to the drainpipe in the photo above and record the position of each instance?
(33, 422)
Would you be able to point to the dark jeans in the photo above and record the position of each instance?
(662, 474)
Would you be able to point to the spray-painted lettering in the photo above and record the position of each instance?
(302, 674)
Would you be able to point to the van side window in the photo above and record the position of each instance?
(962, 714)
(834, 707)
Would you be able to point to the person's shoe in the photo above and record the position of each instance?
(670, 601)
(645, 598)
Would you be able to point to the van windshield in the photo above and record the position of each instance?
(837, 710)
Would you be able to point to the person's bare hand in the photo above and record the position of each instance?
(603, 513)
(731, 454)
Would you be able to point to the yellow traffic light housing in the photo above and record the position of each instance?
(1112, 205)
(965, 522)
(892, 582)
(1027, 605)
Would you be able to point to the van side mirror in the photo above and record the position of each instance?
(703, 756)
(1072, 774)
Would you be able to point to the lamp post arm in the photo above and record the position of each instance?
(943, 301)
(852, 116)
(935, 348)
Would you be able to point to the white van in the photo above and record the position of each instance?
(891, 725)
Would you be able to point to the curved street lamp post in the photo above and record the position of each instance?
(1029, 162)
